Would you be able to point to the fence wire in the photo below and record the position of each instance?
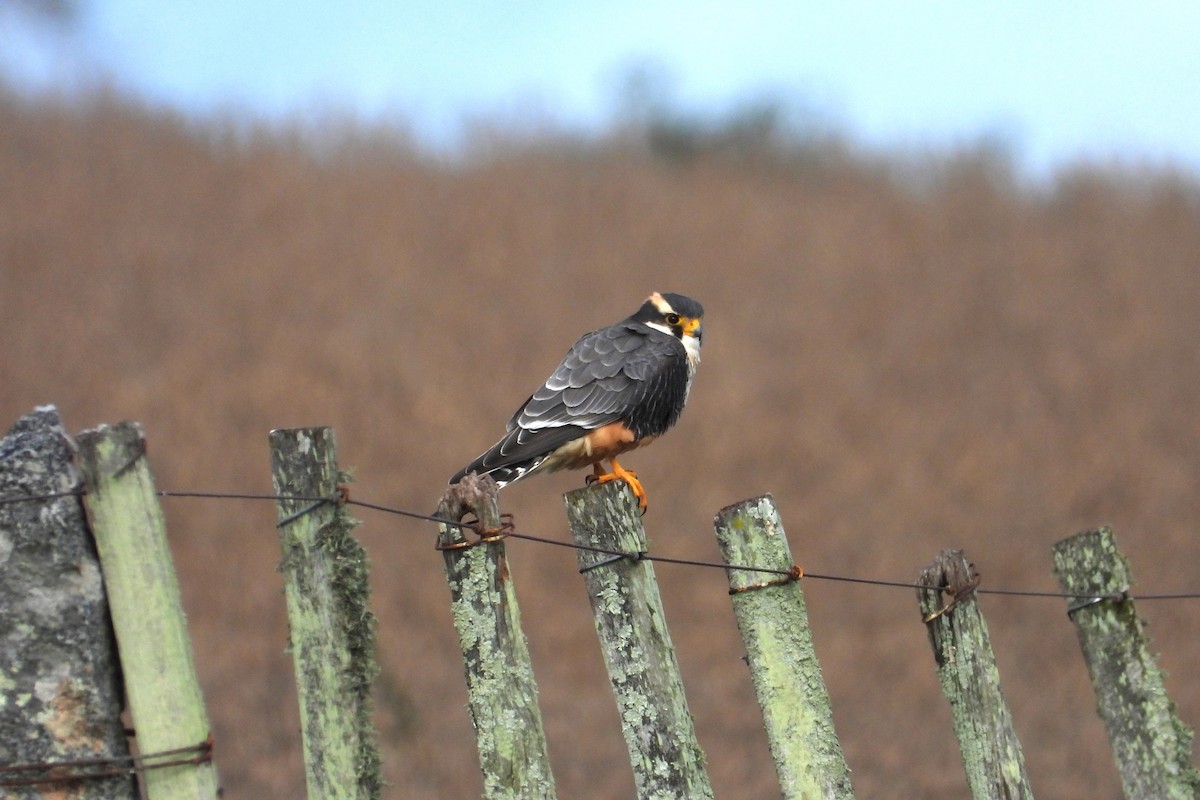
(73, 770)
(342, 497)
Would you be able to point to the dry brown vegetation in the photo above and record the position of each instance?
(906, 363)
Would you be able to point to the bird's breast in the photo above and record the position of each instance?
(602, 444)
(691, 346)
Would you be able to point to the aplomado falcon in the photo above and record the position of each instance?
(618, 388)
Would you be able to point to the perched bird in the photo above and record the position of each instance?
(618, 388)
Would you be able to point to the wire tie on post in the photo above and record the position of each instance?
(931, 617)
(339, 497)
(73, 770)
(489, 535)
(957, 595)
(614, 558)
(128, 465)
(37, 498)
(794, 574)
(486, 535)
(1115, 597)
(459, 545)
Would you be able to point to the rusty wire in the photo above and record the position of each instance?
(508, 531)
(69, 770)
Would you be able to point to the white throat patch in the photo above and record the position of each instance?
(691, 346)
(690, 343)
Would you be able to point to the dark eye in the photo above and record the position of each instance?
(672, 319)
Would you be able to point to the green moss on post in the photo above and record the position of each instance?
(779, 650)
(1151, 745)
(501, 691)
(332, 628)
(667, 760)
(966, 667)
(147, 613)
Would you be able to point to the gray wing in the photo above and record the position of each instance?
(595, 384)
(603, 375)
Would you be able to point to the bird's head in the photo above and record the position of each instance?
(674, 314)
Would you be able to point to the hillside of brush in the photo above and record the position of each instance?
(910, 354)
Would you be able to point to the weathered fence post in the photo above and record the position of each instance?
(1151, 745)
(773, 621)
(332, 629)
(501, 692)
(147, 613)
(60, 695)
(667, 760)
(966, 667)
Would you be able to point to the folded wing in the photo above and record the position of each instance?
(606, 374)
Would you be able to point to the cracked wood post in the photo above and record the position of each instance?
(666, 758)
(501, 691)
(1152, 747)
(60, 679)
(332, 630)
(164, 695)
(783, 665)
(966, 667)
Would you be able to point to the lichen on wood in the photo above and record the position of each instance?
(60, 692)
(1151, 745)
(165, 701)
(659, 733)
(332, 629)
(501, 691)
(773, 622)
(966, 668)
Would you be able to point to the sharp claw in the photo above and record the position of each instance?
(620, 473)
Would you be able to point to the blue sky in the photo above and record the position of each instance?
(1058, 80)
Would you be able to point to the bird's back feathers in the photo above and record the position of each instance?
(628, 372)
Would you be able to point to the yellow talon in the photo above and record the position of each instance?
(619, 473)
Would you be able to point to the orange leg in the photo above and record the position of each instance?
(619, 473)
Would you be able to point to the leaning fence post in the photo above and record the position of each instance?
(60, 680)
(666, 758)
(332, 629)
(143, 596)
(1151, 745)
(773, 621)
(501, 691)
(966, 667)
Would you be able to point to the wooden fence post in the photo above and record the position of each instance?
(60, 692)
(502, 693)
(773, 621)
(966, 667)
(332, 628)
(667, 760)
(1151, 745)
(147, 613)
